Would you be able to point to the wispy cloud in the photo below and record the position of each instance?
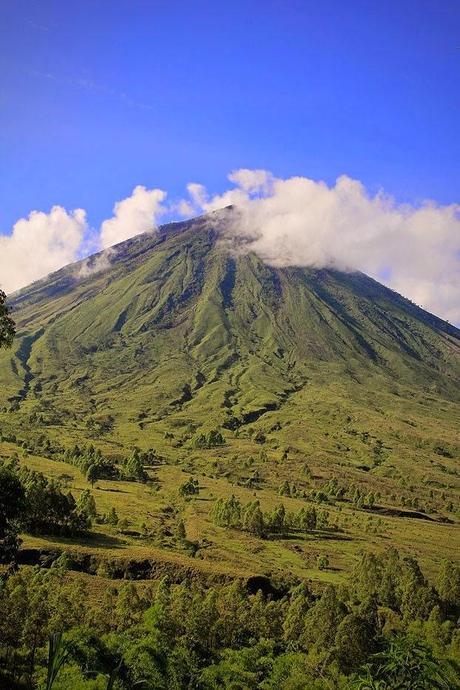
(37, 25)
(91, 86)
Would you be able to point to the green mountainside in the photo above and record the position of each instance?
(309, 375)
(178, 326)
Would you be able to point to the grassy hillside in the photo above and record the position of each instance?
(309, 375)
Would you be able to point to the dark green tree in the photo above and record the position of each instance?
(448, 585)
(277, 519)
(189, 488)
(180, 531)
(12, 506)
(212, 439)
(7, 326)
(354, 641)
(323, 619)
(92, 474)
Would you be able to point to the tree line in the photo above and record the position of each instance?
(29, 502)
(89, 460)
(249, 517)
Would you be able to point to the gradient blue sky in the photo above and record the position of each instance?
(97, 96)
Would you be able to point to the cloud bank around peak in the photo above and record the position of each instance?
(414, 249)
(302, 222)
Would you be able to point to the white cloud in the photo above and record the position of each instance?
(302, 222)
(44, 242)
(40, 244)
(136, 214)
(96, 263)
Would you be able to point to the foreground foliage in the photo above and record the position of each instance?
(388, 628)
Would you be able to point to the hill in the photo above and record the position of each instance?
(311, 387)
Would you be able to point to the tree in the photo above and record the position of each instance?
(48, 509)
(367, 576)
(128, 609)
(253, 519)
(353, 642)
(189, 488)
(323, 619)
(389, 574)
(212, 439)
(322, 520)
(111, 517)
(277, 519)
(322, 562)
(134, 468)
(285, 489)
(311, 519)
(294, 621)
(92, 474)
(12, 506)
(87, 504)
(416, 595)
(227, 513)
(7, 326)
(242, 668)
(448, 584)
(181, 533)
(370, 500)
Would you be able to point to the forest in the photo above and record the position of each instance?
(387, 628)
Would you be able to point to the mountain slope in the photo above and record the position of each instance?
(171, 335)
(178, 303)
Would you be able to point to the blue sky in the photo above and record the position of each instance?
(98, 96)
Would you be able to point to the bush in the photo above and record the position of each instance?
(322, 562)
(212, 439)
